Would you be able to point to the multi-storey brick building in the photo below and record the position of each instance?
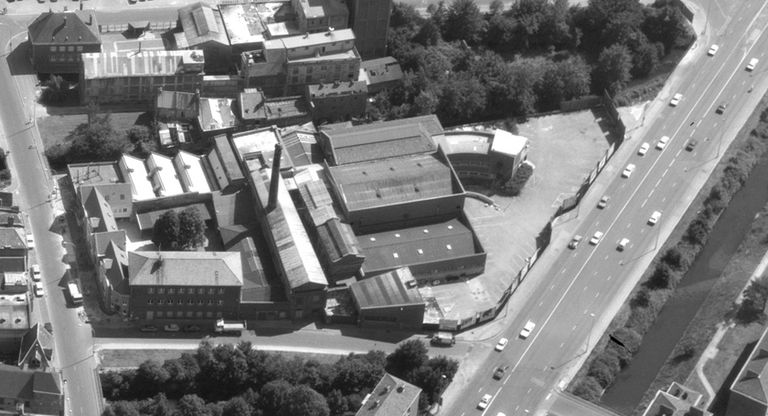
(58, 40)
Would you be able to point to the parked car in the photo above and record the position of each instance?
(575, 241)
(171, 328)
(148, 328)
(498, 373)
(712, 50)
(654, 218)
(676, 99)
(603, 201)
(691, 145)
(662, 143)
(596, 238)
(191, 328)
(721, 108)
(643, 149)
(752, 64)
(443, 338)
(39, 289)
(622, 244)
(501, 344)
(628, 171)
(484, 401)
(527, 329)
(30, 241)
(34, 272)
(48, 327)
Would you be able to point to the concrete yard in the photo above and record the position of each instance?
(564, 148)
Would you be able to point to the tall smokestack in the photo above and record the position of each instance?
(275, 177)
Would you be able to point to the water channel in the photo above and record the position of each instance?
(630, 385)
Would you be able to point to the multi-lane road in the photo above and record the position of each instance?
(571, 302)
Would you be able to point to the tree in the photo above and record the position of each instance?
(630, 339)
(237, 406)
(150, 378)
(191, 229)
(462, 99)
(274, 396)
(463, 22)
(304, 401)
(588, 389)
(675, 259)
(89, 142)
(663, 277)
(122, 408)
(143, 141)
(191, 405)
(500, 33)
(753, 303)
(644, 60)
(409, 356)
(697, 231)
(165, 232)
(612, 70)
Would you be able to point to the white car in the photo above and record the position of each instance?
(39, 289)
(752, 64)
(501, 344)
(34, 271)
(676, 99)
(643, 149)
(662, 142)
(596, 238)
(622, 244)
(484, 401)
(603, 201)
(712, 50)
(628, 171)
(30, 241)
(527, 329)
(654, 218)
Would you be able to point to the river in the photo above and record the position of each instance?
(630, 385)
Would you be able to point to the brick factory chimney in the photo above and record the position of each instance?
(275, 180)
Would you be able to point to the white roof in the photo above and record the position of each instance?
(136, 173)
(163, 175)
(262, 140)
(508, 143)
(191, 172)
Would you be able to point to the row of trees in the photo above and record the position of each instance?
(99, 141)
(228, 380)
(464, 65)
(660, 284)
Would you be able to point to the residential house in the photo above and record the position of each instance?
(381, 74)
(749, 390)
(320, 15)
(677, 400)
(184, 284)
(100, 226)
(112, 279)
(13, 249)
(30, 391)
(58, 39)
(36, 349)
(337, 101)
(391, 397)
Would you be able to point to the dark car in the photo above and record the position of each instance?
(148, 328)
(721, 108)
(691, 144)
(498, 373)
(191, 328)
(48, 327)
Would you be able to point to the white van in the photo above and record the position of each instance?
(752, 64)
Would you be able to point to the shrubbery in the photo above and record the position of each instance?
(648, 301)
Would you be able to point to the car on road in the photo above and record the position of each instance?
(191, 328)
(622, 244)
(654, 218)
(676, 99)
(662, 143)
(691, 145)
(484, 401)
(498, 373)
(752, 64)
(603, 201)
(575, 241)
(39, 289)
(643, 149)
(501, 344)
(712, 50)
(34, 271)
(721, 108)
(30, 241)
(148, 328)
(171, 328)
(49, 327)
(527, 329)
(628, 171)
(596, 238)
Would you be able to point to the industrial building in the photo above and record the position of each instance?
(58, 40)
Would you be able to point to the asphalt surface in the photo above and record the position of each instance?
(572, 303)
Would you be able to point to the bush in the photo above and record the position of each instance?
(602, 373)
(675, 259)
(697, 232)
(589, 389)
(622, 354)
(630, 338)
(663, 277)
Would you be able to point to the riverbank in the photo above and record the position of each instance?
(657, 287)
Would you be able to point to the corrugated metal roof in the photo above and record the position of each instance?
(141, 64)
(388, 289)
(390, 181)
(415, 245)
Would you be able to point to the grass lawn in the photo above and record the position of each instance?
(133, 358)
(55, 128)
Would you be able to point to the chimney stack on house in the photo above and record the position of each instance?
(275, 180)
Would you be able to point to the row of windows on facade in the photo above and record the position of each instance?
(69, 48)
(208, 302)
(64, 58)
(184, 314)
(188, 290)
(324, 68)
(348, 44)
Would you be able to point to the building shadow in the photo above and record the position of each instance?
(719, 404)
(18, 60)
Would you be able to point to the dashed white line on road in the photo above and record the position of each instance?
(606, 257)
(629, 225)
(670, 164)
(715, 125)
(608, 278)
(644, 202)
(562, 345)
(541, 303)
(561, 272)
(657, 184)
(665, 172)
(678, 152)
(597, 294)
(552, 287)
(548, 396)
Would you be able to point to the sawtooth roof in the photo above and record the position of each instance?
(386, 290)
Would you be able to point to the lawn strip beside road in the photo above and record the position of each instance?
(677, 234)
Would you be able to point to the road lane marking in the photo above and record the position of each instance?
(629, 225)
(657, 184)
(644, 202)
(678, 153)
(562, 344)
(563, 271)
(507, 379)
(487, 408)
(665, 172)
(597, 294)
(552, 287)
(541, 303)
(608, 278)
(548, 396)
(671, 163)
